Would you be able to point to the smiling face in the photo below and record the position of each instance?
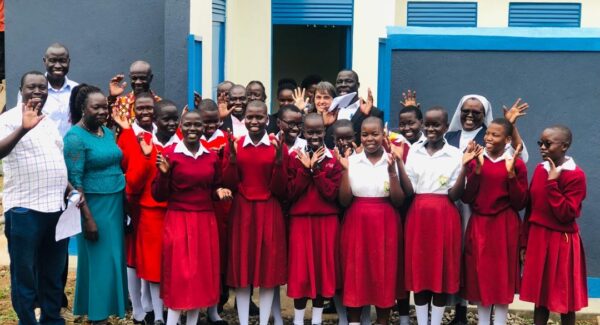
(472, 114)
(314, 132)
(256, 119)
(371, 136)
(35, 87)
(237, 100)
(255, 91)
(410, 126)
(57, 62)
(553, 144)
(323, 100)
(496, 139)
(95, 112)
(346, 82)
(211, 122)
(343, 137)
(285, 97)
(435, 125)
(290, 123)
(144, 112)
(140, 74)
(167, 120)
(191, 127)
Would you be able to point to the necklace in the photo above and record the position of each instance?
(97, 133)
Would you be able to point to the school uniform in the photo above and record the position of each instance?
(433, 230)
(257, 239)
(371, 237)
(190, 252)
(491, 255)
(554, 274)
(313, 257)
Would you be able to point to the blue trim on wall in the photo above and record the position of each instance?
(312, 12)
(441, 14)
(540, 14)
(348, 58)
(484, 39)
(194, 67)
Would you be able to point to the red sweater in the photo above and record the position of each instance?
(191, 183)
(255, 174)
(492, 192)
(314, 194)
(557, 203)
(216, 143)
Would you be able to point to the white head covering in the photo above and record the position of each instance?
(455, 124)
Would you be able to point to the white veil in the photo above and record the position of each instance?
(455, 124)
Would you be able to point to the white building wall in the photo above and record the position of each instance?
(201, 25)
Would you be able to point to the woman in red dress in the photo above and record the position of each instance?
(188, 180)
(554, 273)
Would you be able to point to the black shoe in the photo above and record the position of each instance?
(142, 322)
(254, 310)
(159, 322)
(149, 319)
(218, 322)
(329, 307)
(460, 317)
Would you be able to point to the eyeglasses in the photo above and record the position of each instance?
(546, 144)
(293, 124)
(470, 111)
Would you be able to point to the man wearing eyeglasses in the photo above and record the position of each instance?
(57, 62)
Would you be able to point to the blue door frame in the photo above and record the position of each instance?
(194, 68)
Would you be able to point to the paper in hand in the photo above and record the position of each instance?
(69, 223)
(341, 101)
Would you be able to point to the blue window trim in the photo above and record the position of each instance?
(543, 18)
(194, 67)
(473, 39)
(312, 12)
(443, 16)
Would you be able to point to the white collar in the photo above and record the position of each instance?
(214, 136)
(181, 148)
(362, 158)
(446, 149)
(174, 139)
(264, 140)
(470, 134)
(353, 106)
(569, 164)
(137, 129)
(68, 84)
(503, 156)
(235, 120)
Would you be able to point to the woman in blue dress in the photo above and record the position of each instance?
(94, 168)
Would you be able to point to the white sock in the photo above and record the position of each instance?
(483, 314)
(213, 313)
(157, 303)
(500, 314)
(265, 303)
(276, 309)
(437, 313)
(135, 294)
(365, 316)
(422, 314)
(173, 317)
(299, 316)
(146, 296)
(192, 317)
(404, 320)
(341, 310)
(317, 315)
(242, 298)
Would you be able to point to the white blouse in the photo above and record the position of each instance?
(367, 179)
(434, 174)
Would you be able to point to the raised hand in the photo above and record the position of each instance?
(31, 114)
(356, 149)
(224, 194)
(391, 160)
(120, 119)
(197, 99)
(146, 147)
(299, 100)
(410, 99)
(304, 158)
(397, 150)
(222, 105)
(162, 164)
(367, 106)
(316, 157)
(510, 161)
(554, 172)
(517, 110)
(471, 152)
(117, 86)
(232, 143)
(278, 143)
(342, 157)
(330, 117)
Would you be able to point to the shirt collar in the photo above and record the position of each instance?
(137, 129)
(68, 84)
(569, 164)
(353, 106)
(264, 140)
(214, 136)
(502, 156)
(446, 150)
(181, 148)
(362, 158)
(235, 120)
(174, 139)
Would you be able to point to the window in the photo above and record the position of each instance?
(442, 14)
(525, 14)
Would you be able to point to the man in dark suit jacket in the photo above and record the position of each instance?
(346, 83)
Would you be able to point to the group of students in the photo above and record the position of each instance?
(326, 201)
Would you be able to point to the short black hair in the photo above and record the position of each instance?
(208, 105)
(372, 119)
(313, 116)
(508, 127)
(310, 80)
(286, 108)
(160, 105)
(354, 74)
(342, 124)
(439, 109)
(287, 81)
(30, 73)
(412, 109)
(56, 46)
(567, 134)
(258, 103)
(287, 85)
(145, 94)
(257, 82)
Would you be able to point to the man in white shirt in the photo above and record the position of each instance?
(35, 181)
(57, 63)
(237, 100)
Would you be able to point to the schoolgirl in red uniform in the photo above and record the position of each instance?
(255, 166)
(371, 230)
(435, 172)
(189, 178)
(496, 191)
(313, 257)
(554, 273)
